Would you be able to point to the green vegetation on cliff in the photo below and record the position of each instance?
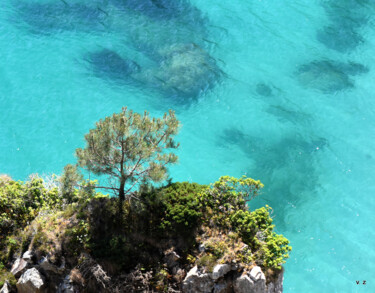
(65, 217)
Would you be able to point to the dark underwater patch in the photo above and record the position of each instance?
(60, 16)
(339, 38)
(164, 33)
(286, 165)
(156, 9)
(108, 64)
(264, 90)
(346, 18)
(329, 76)
(284, 114)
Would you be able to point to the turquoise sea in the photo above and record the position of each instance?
(289, 98)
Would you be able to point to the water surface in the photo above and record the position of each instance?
(281, 91)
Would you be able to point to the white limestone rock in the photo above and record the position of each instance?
(220, 270)
(5, 288)
(254, 282)
(256, 274)
(196, 282)
(31, 282)
(28, 256)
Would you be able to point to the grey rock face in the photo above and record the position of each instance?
(66, 286)
(222, 281)
(243, 284)
(223, 286)
(172, 259)
(31, 282)
(277, 286)
(220, 270)
(19, 267)
(196, 282)
(255, 282)
(48, 267)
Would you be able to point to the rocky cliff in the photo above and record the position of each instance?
(182, 237)
(43, 276)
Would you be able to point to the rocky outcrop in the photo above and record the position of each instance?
(49, 267)
(277, 285)
(42, 276)
(171, 259)
(66, 286)
(31, 282)
(224, 279)
(255, 281)
(198, 282)
(220, 270)
(28, 256)
(19, 267)
(5, 288)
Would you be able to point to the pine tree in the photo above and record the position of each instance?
(130, 148)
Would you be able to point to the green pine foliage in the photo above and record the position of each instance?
(69, 181)
(132, 149)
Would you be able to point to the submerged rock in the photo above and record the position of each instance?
(156, 9)
(263, 90)
(31, 282)
(339, 38)
(107, 63)
(346, 17)
(58, 16)
(329, 76)
(185, 70)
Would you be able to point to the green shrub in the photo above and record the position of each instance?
(256, 230)
(225, 197)
(6, 276)
(21, 202)
(180, 206)
(208, 261)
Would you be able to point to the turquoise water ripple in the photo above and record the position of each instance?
(291, 103)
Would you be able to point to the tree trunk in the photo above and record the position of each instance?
(121, 195)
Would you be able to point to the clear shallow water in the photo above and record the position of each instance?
(293, 107)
